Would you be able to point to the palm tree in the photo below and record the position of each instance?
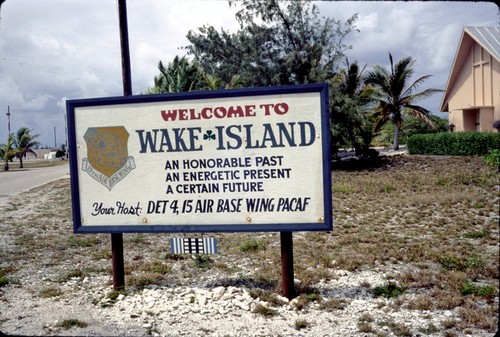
(351, 100)
(395, 97)
(178, 76)
(7, 151)
(24, 141)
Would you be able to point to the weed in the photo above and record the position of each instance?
(388, 189)
(301, 302)
(156, 267)
(461, 264)
(102, 254)
(266, 296)
(144, 279)
(264, 311)
(422, 302)
(474, 315)
(50, 292)
(389, 290)
(77, 273)
(365, 327)
(449, 323)
(79, 241)
(136, 238)
(398, 329)
(301, 324)
(366, 318)
(4, 280)
(342, 188)
(475, 235)
(202, 261)
(253, 245)
(334, 304)
(478, 205)
(429, 329)
(113, 295)
(70, 323)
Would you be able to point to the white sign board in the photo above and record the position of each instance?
(231, 160)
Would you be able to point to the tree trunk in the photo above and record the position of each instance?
(21, 161)
(396, 136)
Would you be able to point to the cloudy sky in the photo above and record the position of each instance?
(53, 50)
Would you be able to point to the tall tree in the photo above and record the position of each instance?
(351, 104)
(24, 142)
(278, 42)
(396, 96)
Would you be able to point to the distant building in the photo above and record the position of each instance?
(472, 95)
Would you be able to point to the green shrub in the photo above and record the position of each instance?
(4, 280)
(202, 261)
(470, 288)
(493, 158)
(461, 264)
(454, 143)
(388, 291)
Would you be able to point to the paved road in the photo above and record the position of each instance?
(17, 181)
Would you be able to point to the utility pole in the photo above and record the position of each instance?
(8, 119)
(117, 238)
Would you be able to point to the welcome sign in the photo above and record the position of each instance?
(213, 161)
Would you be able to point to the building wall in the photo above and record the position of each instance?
(474, 102)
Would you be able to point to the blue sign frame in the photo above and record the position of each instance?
(325, 225)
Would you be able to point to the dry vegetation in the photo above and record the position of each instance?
(433, 220)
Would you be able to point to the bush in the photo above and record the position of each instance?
(454, 144)
(493, 158)
(60, 154)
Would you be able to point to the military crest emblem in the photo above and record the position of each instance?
(107, 159)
